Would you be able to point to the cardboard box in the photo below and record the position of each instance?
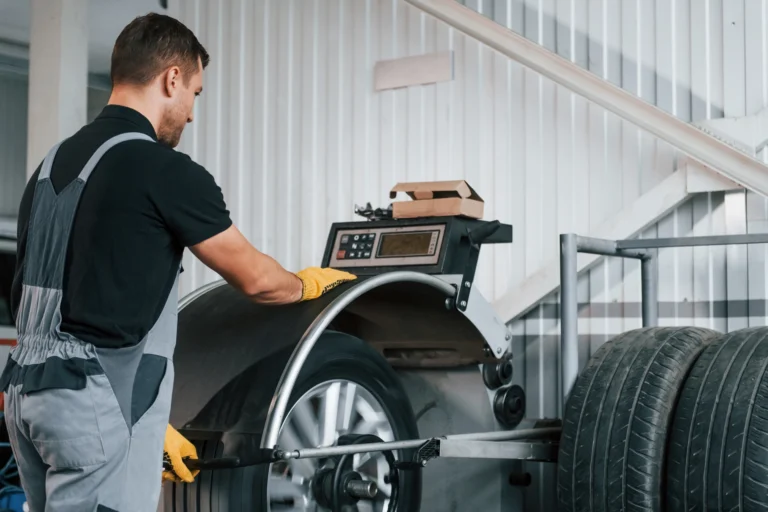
(437, 199)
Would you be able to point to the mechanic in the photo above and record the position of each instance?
(103, 224)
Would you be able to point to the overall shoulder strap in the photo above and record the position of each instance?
(117, 139)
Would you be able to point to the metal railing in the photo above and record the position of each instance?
(571, 245)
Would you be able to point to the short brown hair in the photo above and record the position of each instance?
(150, 44)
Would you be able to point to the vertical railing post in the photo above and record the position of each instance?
(569, 314)
(649, 277)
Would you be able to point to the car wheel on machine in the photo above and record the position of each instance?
(617, 416)
(718, 455)
(339, 368)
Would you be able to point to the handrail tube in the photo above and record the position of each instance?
(710, 151)
(199, 292)
(279, 403)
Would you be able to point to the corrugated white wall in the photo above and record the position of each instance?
(291, 127)
(293, 131)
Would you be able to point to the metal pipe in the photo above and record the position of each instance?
(508, 435)
(693, 241)
(333, 451)
(603, 247)
(279, 403)
(649, 277)
(569, 313)
(362, 489)
(595, 246)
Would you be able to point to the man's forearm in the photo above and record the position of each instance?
(275, 285)
(259, 276)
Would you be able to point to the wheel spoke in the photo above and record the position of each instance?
(361, 460)
(304, 468)
(350, 390)
(330, 414)
(372, 420)
(306, 422)
(366, 427)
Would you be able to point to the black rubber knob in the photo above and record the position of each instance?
(509, 406)
(496, 375)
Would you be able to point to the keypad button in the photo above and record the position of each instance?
(341, 255)
(367, 254)
(356, 238)
(344, 239)
(354, 246)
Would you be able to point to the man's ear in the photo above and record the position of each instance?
(172, 80)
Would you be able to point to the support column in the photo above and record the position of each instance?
(58, 74)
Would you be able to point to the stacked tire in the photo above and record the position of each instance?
(669, 419)
(718, 452)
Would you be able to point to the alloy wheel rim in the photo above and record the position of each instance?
(324, 413)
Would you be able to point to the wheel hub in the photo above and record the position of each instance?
(352, 489)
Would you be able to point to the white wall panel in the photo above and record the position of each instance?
(292, 129)
(13, 139)
(295, 134)
(13, 136)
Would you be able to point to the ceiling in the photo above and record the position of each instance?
(106, 18)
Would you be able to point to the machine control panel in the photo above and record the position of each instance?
(392, 246)
(432, 245)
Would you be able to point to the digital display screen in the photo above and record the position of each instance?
(406, 244)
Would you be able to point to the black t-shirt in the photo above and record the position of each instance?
(142, 205)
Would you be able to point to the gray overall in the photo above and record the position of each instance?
(86, 424)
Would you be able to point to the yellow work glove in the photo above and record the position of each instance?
(318, 281)
(175, 449)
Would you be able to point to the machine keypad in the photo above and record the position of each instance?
(353, 247)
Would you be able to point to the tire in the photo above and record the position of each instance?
(336, 356)
(718, 456)
(616, 420)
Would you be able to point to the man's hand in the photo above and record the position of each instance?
(175, 449)
(317, 281)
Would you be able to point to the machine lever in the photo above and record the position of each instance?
(203, 464)
(479, 234)
(476, 237)
(206, 464)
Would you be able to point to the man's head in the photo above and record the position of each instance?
(158, 62)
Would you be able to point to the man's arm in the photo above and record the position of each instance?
(255, 274)
(192, 206)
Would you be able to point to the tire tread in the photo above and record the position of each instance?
(715, 460)
(614, 428)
